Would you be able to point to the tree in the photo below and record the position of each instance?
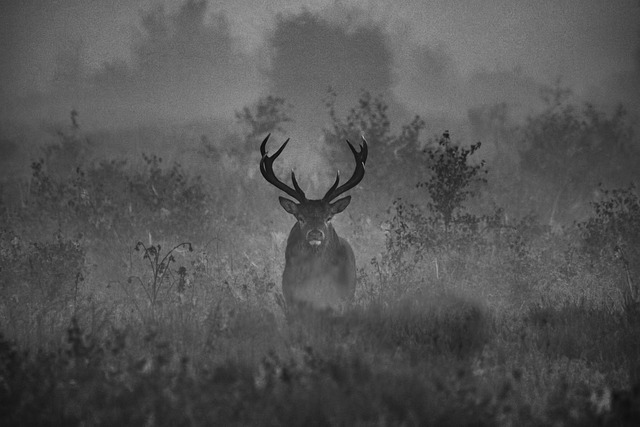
(573, 149)
(394, 155)
(446, 229)
(452, 180)
(267, 115)
(369, 118)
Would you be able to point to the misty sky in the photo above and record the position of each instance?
(124, 59)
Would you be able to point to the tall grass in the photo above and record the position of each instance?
(515, 326)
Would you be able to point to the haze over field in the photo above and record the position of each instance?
(147, 267)
(128, 62)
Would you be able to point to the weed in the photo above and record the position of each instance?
(163, 279)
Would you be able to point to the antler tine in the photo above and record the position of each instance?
(333, 187)
(263, 149)
(266, 168)
(364, 149)
(295, 184)
(358, 173)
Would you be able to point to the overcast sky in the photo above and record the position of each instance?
(438, 57)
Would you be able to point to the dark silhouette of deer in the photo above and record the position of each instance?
(320, 267)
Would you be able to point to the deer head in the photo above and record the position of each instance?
(314, 216)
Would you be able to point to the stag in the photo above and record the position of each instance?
(320, 267)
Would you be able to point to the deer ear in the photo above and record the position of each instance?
(340, 205)
(289, 206)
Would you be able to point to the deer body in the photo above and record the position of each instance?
(320, 269)
(323, 278)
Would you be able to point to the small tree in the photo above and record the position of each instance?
(265, 116)
(446, 228)
(452, 181)
(369, 119)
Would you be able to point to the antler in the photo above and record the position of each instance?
(266, 168)
(358, 173)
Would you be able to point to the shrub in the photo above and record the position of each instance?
(174, 201)
(447, 231)
(106, 198)
(453, 181)
(612, 234)
(41, 272)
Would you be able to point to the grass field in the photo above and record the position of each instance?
(149, 296)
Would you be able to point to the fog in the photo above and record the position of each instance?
(180, 68)
(148, 63)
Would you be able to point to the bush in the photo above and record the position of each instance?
(612, 234)
(108, 199)
(43, 272)
(446, 232)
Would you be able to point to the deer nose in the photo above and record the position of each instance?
(315, 237)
